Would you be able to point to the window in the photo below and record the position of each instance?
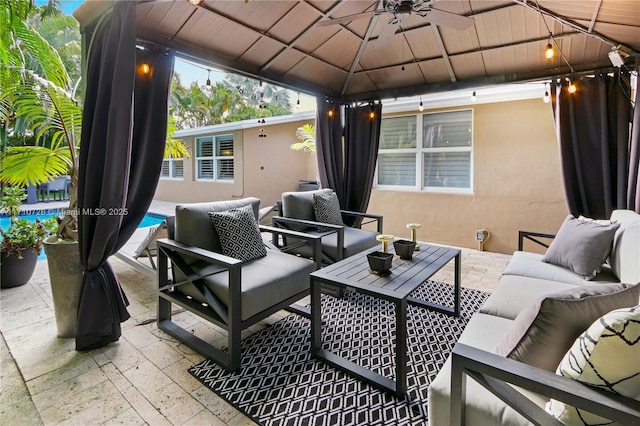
(441, 161)
(172, 168)
(214, 158)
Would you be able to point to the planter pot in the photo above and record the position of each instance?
(380, 262)
(14, 271)
(404, 249)
(65, 275)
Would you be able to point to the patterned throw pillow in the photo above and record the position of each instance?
(239, 233)
(607, 356)
(327, 208)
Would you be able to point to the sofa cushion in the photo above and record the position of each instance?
(543, 332)
(482, 332)
(514, 293)
(239, 233)
(258, 276)
(193, 225)
(607, 356)
(581, 246)
(626, 250)
(326, 208)
(527, 264)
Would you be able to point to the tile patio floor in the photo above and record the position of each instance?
(140, 380)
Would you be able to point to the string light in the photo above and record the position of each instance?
(549, 52)
(144, 68)
(330, 113)
(572, 87)
(196, 2)
(298, 102)
(546, 98)
(473, 96)
(420, 106)
(208, 78)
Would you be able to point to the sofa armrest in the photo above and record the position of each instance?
(375, 218)
(314, 241)
(533, 236)
(324, 229)
(494, 372)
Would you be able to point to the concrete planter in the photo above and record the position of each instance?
(65, 275)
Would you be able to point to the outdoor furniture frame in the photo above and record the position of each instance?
(534, 237)
(495, 373)
(55, 186)
(181, 258)
(301, 218)
(353, 274)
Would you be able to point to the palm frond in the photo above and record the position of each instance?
(26, 165)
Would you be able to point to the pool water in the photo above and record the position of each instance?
(150, 219)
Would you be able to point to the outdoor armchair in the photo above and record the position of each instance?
(231, 292)
(298, 212)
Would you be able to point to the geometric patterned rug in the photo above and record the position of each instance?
(279, 383)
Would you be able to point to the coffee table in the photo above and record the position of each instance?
(353, 274)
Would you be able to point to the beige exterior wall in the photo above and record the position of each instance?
(517, 179)
(517, 184)
(264, 168)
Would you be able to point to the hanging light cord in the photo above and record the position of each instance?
(553, 38)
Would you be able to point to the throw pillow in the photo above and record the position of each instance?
(607, 356)
(327, 208)
(581, 246)
(239, 233)
(543, 332)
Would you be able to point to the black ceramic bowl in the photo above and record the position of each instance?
(380, 262)
(404, 248)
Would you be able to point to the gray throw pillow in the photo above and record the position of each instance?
(239, 233)
(581, 246)
(545, 330)
(327, 208)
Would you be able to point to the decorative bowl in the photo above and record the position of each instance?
(379, 262)
(404, 248)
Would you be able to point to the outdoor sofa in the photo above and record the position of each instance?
(535, 322)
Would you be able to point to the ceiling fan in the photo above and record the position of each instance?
(400, 10)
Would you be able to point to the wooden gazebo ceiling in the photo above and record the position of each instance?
(283, 42)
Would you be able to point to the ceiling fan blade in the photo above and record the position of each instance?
(448, 19)
(348, 18)
(387, 32)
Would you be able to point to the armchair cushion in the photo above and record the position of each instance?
(327, 208)
(543, 332)
(581, 246)
(299, 205)
(258, 276)
(603, 356)
(239, 234)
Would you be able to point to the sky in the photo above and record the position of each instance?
(189, 72)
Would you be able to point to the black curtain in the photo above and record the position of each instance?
(348, 166)
(124, 128)
(329, 145)
(633, 195)
(592, 126)
(362, 133)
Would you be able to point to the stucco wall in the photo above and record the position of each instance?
(517, 184)
(264, 168)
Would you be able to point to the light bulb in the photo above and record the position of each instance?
(473, 96)
(372, 114)
(196, 2)
(548, 53)
(145, 68)
(330, 113)
(572, 87)
(546, 97)
(421, 107)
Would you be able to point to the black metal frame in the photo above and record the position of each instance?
(494, 372)
(532, 236)
(171, 252)
(326, 228)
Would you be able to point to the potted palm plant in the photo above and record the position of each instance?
(21, 242)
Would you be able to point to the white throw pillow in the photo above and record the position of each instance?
(607, 356)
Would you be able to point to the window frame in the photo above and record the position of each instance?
(419, 153)
(172, 161)
(215, 158)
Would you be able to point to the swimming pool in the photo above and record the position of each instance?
(150, 219)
